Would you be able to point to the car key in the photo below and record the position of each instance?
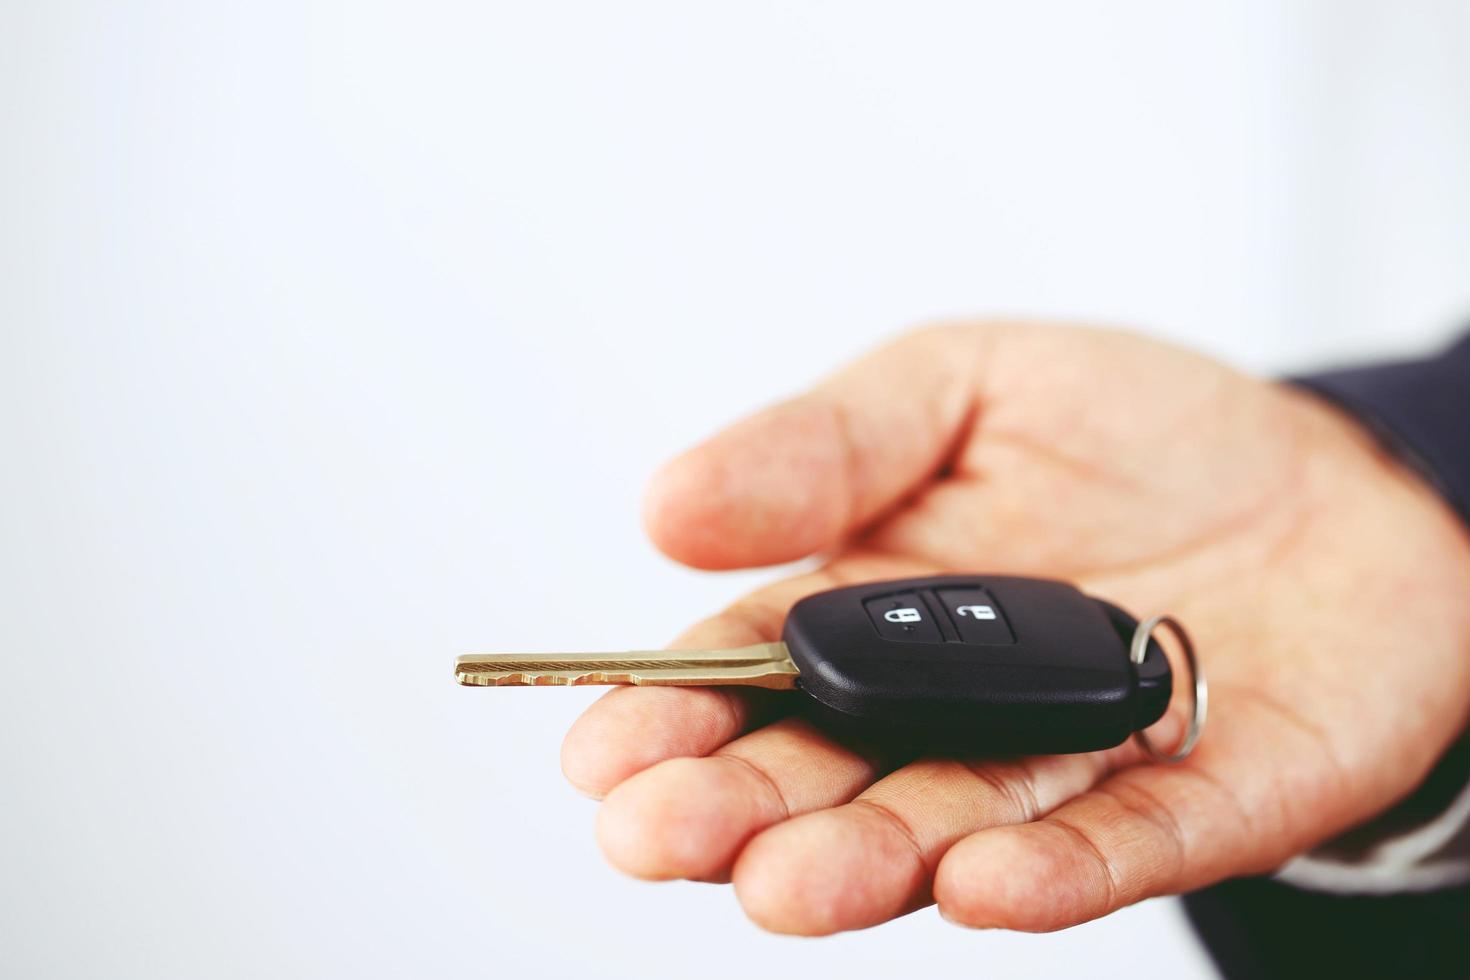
(950, 664)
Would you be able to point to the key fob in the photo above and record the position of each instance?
(976, 665)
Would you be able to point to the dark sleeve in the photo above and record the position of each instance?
(1420, 408)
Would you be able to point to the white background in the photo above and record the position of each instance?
(337, 339)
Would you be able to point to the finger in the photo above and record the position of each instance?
(873, 859)
(1123, 842)
(797, 477)
(632, 728)
(1146, 831)
(688, 818)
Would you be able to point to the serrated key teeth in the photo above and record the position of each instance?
(762, 665)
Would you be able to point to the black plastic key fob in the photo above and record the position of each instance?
(976, 664)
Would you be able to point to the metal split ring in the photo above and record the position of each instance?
(1137, 653)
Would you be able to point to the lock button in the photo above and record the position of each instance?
(903, 616)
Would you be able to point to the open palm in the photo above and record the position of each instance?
(1324, 586)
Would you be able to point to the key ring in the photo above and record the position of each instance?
(1137, 653)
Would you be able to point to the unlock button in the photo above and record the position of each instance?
(903, 617)
(976, 616)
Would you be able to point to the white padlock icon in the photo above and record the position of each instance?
(905, 615)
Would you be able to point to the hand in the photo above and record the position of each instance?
(1325, 587)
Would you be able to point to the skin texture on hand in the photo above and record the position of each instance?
(1325, 587)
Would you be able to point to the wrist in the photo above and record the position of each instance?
(1422, 841)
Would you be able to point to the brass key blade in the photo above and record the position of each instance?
(762, 665)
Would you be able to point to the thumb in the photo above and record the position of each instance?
(802, 475)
